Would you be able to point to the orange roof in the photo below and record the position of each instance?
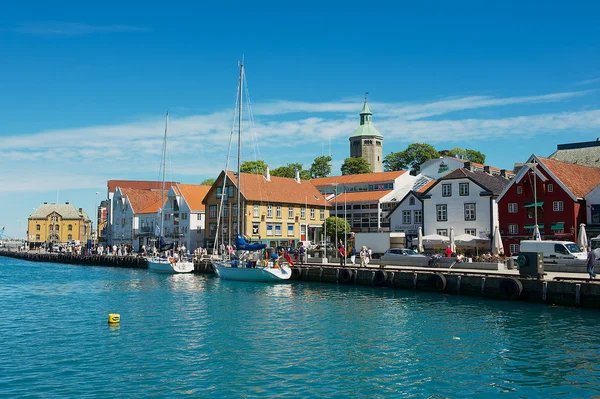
(579, 179)
(193, 194)
(425, 186)
(143, 201)
(137, 184)
(360, 196)
(361, 178)
(279, 189)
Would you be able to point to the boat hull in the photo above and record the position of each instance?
(265, 274)
(164, 266)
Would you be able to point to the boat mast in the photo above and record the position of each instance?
(239, 149)
(162, 188)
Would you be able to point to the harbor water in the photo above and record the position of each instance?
(198, 336)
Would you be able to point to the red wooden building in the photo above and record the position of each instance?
(549, 192)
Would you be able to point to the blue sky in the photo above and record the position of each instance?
(84, 89)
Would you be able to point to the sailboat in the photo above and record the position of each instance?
(166, 263)
(244, 264)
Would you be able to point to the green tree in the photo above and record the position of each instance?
(208, 182)
(321, 167)
(337, 226)
(411, 158)
(257, 167)
(468, 155)
(290, 171)
(355, 166)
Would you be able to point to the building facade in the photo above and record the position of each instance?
(367, 142)
(548, 193)
(274, 210)
(58, 224)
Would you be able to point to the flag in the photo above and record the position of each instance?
(157, 231)
(159, 211)
(288, 258)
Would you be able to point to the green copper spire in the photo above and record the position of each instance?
(366, 128)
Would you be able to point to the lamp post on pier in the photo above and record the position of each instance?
(536, 229)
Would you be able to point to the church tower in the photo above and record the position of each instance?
(366, 142)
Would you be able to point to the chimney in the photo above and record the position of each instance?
(80, 210)
(297, 178)
(468, 166)
(487, 169)
(267, 174)
(503, 173)
(67, 203)
(45, 203)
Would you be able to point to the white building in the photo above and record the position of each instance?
(407, 216)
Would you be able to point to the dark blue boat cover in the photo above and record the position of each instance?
(241, 244)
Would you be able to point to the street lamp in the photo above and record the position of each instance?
(536, 230)
(97, 230)
(336, 221)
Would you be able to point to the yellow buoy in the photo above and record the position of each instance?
(114, 318)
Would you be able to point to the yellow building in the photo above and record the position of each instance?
(275, 210)
(58, 223)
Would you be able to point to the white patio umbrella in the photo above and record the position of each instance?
(582, 240)
(467, 240)
(452, 243)
(536, 233)
(420, 248)
(497, 246)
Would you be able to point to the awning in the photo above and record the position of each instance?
(531, 226)
(532, 204)
(557, 226)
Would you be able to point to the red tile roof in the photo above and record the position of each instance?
(361, 178)
(579, 179)
(144, 201)
(137, 184)
(193, 194)
(279, 189)
(361, 196)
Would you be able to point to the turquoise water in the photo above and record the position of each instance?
(197, 336)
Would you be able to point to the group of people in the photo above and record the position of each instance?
(365, 254)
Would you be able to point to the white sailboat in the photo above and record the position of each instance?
(240, 266)
(166, 263)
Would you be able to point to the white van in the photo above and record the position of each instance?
(554, 249)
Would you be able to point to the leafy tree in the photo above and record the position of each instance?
(337, 225)
(466, 154)
(208, 182)
(411, 158)
(257, 167)
(290, 171)
(355, 166)
(321, 167)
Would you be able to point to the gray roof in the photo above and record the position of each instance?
(493, 183)
(585, 153)
(66, 211)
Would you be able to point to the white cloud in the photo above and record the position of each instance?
(588, 82)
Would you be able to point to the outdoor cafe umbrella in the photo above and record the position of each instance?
(452, 243)
(582, 240)
(420, 248)
(497, 246)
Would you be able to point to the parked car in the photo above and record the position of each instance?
(397, 253)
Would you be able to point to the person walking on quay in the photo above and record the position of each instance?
(363, 256)
(353, 255)
(301, 252)
(342, 252)
(591, 262)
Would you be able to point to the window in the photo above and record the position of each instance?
(219, 190)
(212, 229)
(212, 211)
(406, 217)
(37, 237)
(463, 189)
(70, 227)
(322, 214)
(446, 190)
(302, 213)
(225, 211)
(234, 210)
(198, 216)
(37, 227)
(57, 227)
(184, 216)
(277, 229)
(230, 191)
(557, 206)
(50, 227)
(256, 210)
(290, 212)
(513, 229)
(70, 237)
(418, 216)
(255, 229)
(290, 230)
(442, 232)
(514, 249)
(470, 212)
(442, 213)
(278, 212)
(411, 201)
(513, 207)
(473, 232)
(519, 189)
(312, 213)
(269, 211)
(55, 218)
(550, 188)
(269, 229)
